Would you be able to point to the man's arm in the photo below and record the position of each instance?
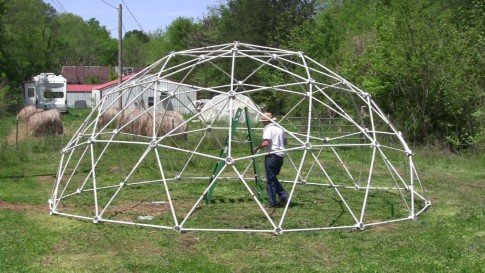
(263, 144)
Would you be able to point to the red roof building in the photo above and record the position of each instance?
(80, 87)
(111, 83)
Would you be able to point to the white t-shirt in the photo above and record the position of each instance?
(276, 137)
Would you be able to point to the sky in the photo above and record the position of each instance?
(151, 14)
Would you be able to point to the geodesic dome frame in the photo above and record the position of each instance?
(337, 123)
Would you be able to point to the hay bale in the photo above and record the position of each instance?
(143, 125)
(126, 117)
(176, 121)
(27, 112)
(46, 122)
(165, 122)
(173, 114)
(107, 116)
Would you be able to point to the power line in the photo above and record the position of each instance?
(132, 14)
(108, 4)
(57, 5)
(62, 6)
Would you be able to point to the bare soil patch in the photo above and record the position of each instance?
(23, 207)
(48, 179)
(128, 211)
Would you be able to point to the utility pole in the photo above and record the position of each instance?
(120, 56)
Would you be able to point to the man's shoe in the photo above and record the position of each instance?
(270, 206)
(283, 202)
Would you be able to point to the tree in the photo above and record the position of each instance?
(2, 37)
(420, 63)
(135, 48)
(84, 42)
(138, 34)
(181, 34)
(259, 22)
(27, 39)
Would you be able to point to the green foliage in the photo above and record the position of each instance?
(10, 97)
(181, 34)
(422, 70)
(135, 51)
(83, 42)
(259, 22)
(320, 38)
(422, 61)
(139, 35)
(28, 37)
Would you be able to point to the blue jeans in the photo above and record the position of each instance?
(272, 165)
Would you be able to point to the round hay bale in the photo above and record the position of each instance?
(173, 113)
(126, 119)
(107, 116)
(144, 124)
(168, 121)
(27, 112)
(181, 131)
(46, 122)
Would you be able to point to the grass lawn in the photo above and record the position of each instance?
(449, 237)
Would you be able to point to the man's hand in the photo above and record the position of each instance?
(263, 144)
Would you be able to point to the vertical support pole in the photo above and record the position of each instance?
(232, 98)
(52, 202)
(120, 54)
(95, 189)
(411, 186)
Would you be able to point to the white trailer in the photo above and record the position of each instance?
(46, 91)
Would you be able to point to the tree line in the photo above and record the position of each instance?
(421, 60)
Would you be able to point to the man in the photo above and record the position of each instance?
(274, 141)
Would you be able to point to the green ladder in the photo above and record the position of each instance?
(223, 154)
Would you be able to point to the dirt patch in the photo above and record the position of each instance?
(48, 179)
(144, 208)
(47, 261)
(114, 169)
(129, 211)
(189, 241)
(23, 207)
(382, 227)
